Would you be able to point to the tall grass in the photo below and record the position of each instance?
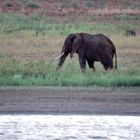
(41, 73)
(39, 24)
(70, 79)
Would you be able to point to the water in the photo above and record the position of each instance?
(69, 127)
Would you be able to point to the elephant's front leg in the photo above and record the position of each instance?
(82, 62)
(91, 64)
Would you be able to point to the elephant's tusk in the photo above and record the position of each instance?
(56, 58)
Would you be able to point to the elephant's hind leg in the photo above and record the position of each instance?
(110, 62)
(105, 67)
(107, 62)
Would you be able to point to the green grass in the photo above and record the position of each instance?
(70, 79)
(40, 73)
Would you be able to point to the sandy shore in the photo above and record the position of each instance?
(71, 100)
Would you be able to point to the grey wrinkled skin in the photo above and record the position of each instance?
(90, 48)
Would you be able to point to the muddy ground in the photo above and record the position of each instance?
(70, 100)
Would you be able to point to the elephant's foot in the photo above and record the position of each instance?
(83, 70)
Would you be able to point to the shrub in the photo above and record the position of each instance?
(95, 3)
(72, 4)
(31, 4)
(8, 3)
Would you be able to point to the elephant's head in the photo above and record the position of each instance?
(71, 45)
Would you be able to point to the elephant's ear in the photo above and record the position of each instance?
(67, 46)
(77, 43)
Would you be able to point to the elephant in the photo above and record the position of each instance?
(90, 48)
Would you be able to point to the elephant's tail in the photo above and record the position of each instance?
(115, 58)
(114, 50)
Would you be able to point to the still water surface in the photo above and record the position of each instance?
(69, 127)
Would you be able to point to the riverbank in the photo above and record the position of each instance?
(70, 100)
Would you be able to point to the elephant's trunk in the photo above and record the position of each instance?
(62, 59)
(71, 54)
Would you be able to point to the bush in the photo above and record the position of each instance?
(95, 3)
(31, 4)
(8, 3)
(72, 4)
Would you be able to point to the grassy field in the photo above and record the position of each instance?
(28, 45)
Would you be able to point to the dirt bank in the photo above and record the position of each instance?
(73, 100)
